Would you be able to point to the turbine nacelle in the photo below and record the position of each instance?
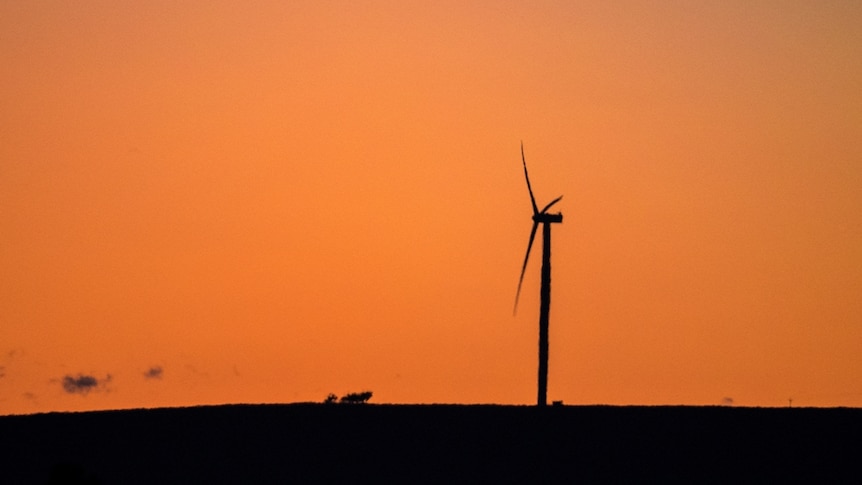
(543, 217)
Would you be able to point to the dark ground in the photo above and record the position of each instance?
(301, 443)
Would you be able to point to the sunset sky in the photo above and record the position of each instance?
(208, 202)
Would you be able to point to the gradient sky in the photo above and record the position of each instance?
(222, 202)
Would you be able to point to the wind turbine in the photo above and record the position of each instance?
(546, 219)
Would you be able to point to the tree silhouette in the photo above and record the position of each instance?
(356, 397)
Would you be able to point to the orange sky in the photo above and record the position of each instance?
(270, 203)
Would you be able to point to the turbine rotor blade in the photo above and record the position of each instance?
(552, 203)
(532, 199)
(524, 267)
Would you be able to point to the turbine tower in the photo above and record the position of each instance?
(546, 219)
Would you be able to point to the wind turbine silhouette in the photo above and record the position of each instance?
(546, 219)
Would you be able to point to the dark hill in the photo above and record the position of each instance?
(301, 443)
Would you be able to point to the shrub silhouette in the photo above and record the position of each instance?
(331, 398)
(356, 397)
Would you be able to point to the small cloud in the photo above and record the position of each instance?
(727, 401)
(83, 384)
(7, 357)
(154, 372)
(2, 371)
